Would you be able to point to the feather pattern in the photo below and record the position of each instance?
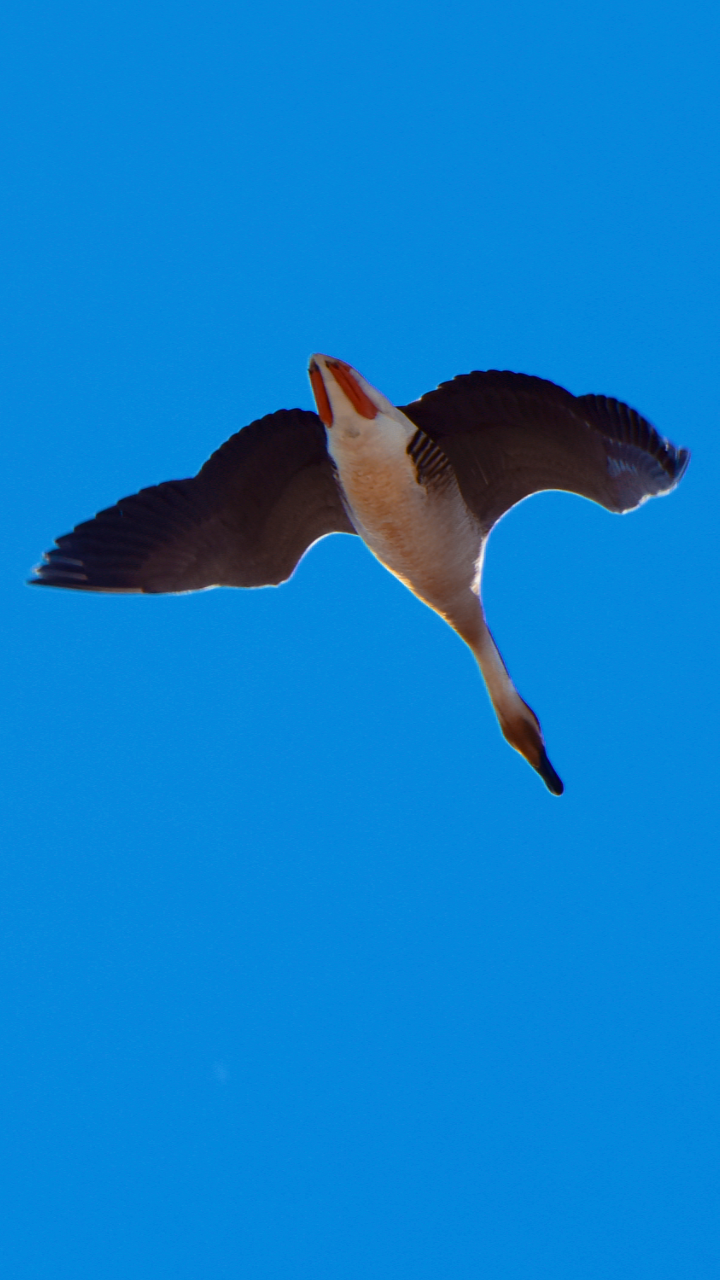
(244, 520)
(508, 435)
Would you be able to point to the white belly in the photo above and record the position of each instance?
(426, 537)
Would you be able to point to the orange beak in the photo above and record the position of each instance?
(346, 380)
(321, 396)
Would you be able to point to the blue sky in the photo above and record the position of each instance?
(302, 971)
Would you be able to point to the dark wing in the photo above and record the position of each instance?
(508, 435)
(243, 521)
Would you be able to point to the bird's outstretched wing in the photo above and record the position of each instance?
(508, 435)
(243, 521)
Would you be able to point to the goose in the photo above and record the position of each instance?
(422, 485)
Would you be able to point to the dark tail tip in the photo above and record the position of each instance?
(549, 776)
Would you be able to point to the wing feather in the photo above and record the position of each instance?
(244, 520)
(508, 435)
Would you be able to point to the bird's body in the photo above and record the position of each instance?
(422, 486)
(422, 532)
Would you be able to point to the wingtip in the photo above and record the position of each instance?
(38, 575)
(683, 462)
(56, 570)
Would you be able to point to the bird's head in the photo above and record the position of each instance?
(341, 393)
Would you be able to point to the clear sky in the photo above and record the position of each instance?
(303, 973)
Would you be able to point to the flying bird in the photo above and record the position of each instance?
(422, 485)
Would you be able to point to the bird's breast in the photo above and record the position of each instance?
(422, 533)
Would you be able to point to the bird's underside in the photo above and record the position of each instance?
(422, 485)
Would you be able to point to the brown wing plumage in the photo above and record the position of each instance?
(243, 521)
(508, 435)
